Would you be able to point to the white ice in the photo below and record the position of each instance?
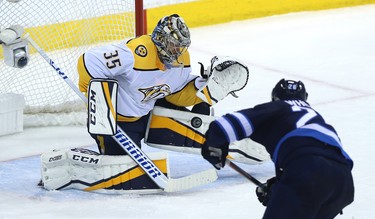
(332, 52)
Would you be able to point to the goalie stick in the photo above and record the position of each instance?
(166, 184)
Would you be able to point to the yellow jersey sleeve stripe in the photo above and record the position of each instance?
(185, 97)
(207, 95)
(84, 75)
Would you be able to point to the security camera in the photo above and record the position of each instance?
(16, 52)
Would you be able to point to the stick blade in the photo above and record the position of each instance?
(191, 181)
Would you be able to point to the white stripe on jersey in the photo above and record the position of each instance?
(323, 130)
(244, 122)
(228, 129)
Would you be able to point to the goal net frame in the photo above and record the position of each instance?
(65, 30)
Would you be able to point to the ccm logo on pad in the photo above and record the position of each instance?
(85, 159)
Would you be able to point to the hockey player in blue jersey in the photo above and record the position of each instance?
(313, 172)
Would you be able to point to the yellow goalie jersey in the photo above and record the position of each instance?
(141, 76)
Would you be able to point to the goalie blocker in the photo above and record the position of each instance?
(102, 106)
(183, 131)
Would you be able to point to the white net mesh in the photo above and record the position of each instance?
(65, 29)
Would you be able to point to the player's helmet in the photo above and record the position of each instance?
(171, 37)
(289, 89)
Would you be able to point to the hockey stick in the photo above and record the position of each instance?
(166, 184)
(244, 173)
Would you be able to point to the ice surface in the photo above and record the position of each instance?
(332, 52)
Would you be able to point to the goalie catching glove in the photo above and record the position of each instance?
(224, 76)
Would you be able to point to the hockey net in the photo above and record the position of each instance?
(65, 30)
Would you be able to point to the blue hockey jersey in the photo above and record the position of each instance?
(271, 124)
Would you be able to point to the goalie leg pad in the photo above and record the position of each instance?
(248, 151)
(177, 130)
(183, 131)
(72, 169)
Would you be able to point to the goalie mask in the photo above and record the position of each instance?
(289, 89)
(172, 38)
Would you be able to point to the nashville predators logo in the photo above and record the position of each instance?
(141, 51)
(155, 92)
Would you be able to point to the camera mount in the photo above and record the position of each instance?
(16, 52)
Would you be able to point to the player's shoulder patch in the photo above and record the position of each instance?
(144, 51)
(141, 50)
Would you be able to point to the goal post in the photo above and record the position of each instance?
(140, 18)
(65, 30)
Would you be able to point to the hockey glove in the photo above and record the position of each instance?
(215, 155)
(263, 191)
(225, 76)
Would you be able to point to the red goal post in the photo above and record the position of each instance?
(140, 18)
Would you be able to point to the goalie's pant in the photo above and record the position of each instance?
(311, 186)
(135, 130)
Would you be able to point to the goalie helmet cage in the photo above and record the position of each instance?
(65, 30)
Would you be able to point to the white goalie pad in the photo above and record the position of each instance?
(81, 169)
(225, 76)
(183, 131)
(102, 106)
(177, 130)
(248, 151)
